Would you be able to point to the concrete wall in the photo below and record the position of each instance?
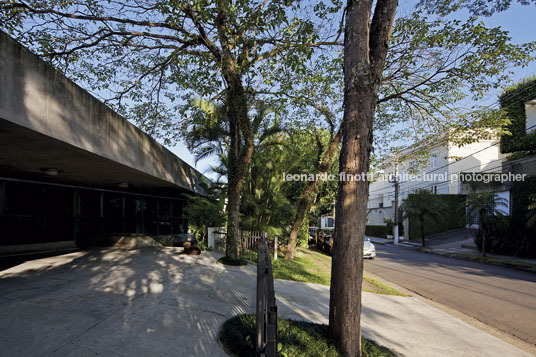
(36, 96)
(377, 216)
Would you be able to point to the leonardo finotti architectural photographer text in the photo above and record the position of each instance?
(485, 177)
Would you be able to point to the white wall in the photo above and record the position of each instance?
(376, 216)
(530, 109)
(481, 156)
(433, 168)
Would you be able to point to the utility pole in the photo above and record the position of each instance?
(395, 228)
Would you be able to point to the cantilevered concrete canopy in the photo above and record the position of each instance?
(47, 121)
(26, 154)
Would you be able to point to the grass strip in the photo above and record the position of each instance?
(313, 267)
(295, 338)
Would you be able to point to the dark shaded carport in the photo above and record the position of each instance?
(70, 165)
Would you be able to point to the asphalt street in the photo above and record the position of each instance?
(502, 298)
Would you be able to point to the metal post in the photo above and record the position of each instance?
(395, 228)
(260, 300)
(266, 308)
(275, 248)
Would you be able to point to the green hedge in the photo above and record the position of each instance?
(454, 217)
(377, 231)
(510, 235)
(521, 191)
(513, 107)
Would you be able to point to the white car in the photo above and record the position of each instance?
(369, 250)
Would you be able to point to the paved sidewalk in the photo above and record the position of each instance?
(154, 302)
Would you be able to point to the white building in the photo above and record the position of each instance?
(436, 168)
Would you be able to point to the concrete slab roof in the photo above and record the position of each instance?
(46, 120)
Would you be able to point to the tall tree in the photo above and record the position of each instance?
(420, 79)
(476, 7)
(365, 50)
(158, 54)
(326, 154)
(432, 66)
(316, 97)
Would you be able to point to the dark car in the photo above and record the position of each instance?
(327, 241)
(312, 235)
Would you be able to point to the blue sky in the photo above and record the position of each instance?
(519, 21)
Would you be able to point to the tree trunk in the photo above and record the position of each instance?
(241, 138)
(347, 252)
(232, 242)
(303, 205)
(239, 157)
(307, 196)
(364, 59)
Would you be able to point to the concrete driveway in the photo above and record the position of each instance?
(155, 302)
(115, 302)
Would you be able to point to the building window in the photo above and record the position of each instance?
(380, 205)
(433, 160)
(112, 212)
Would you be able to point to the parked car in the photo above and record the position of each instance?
(369, 250)
(328, 243)
(312, 235)
(327, 240)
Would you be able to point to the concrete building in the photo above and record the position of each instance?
(70, 167)
(435, 168)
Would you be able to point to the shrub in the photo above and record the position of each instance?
(511, 235)
(505, 237)
(232, 262)
(377, 231)
(390, 225)
(454, 217)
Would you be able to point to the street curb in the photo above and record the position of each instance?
(504, 264)
(380, 243)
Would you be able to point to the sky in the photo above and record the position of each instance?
(518, 21)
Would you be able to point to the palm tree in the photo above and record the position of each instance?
(207, 131)
(482, 205)
(207, 134)
(422, 204)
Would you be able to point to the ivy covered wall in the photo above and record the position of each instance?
(513, 108)
(453, 218)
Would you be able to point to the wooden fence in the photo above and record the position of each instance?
(250, 241)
